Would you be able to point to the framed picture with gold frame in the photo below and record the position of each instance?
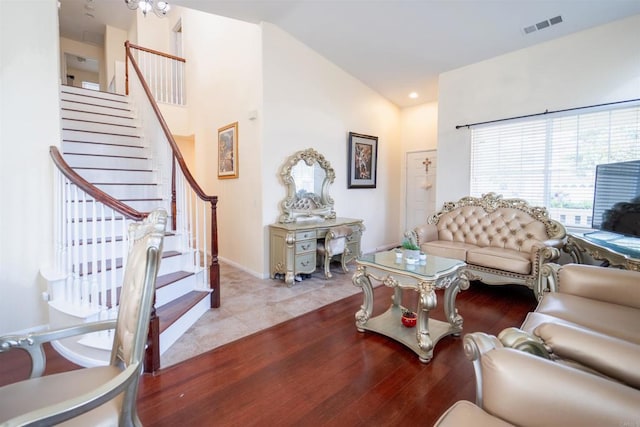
(228, 151)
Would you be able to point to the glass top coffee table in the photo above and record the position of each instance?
(423, 277)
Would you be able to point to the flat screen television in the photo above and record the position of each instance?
(616, 202)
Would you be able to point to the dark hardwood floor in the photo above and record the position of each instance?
(318, 370)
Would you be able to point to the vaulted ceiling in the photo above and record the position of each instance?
(394, 46)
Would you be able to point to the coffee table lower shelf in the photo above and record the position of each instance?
(390, 325)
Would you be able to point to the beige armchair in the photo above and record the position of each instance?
(334, 244)
(517, 388)
(104, 395)
(590, 322)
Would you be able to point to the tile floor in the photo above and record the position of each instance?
(249, 305)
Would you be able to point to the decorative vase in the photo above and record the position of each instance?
(409, 319)
(411, 254)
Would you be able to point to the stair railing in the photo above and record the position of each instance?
(163, 73)
(87, 216)
(193, 212)
(91, 242)
(90, 279)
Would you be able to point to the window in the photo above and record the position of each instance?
(551, 161)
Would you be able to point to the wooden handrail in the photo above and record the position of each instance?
(92, 190)
(163, 124)
(155, 52)
(153, 359)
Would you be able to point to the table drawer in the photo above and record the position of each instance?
(305, 263)
(306, 246)
(304, 235)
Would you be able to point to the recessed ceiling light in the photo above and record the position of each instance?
(413, 95)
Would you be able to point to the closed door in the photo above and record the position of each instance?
(421, 187)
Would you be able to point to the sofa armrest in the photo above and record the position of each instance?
(554, 243)
(541, 253)
(526, 390)
(465, 413)
(608, 355)
(423, 233)
(599, 283)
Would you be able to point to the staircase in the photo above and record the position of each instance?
(102, 142)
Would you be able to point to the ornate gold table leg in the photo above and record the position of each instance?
(361, 280)
(427, 302)
(288, 278)
(459, 283)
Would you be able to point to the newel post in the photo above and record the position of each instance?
(214, 270)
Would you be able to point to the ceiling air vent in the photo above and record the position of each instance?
(556, 20)
(542, 24)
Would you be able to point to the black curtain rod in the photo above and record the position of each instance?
(546, 112)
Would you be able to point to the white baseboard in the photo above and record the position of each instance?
(243, 268)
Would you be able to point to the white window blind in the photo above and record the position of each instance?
(551, 161)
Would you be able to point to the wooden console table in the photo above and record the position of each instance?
(616, 249)
(293, 246)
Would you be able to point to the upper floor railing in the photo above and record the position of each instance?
(163, 73)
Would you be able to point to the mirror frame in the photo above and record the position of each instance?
(310, 157)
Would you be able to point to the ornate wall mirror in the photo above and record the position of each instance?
(307, 175)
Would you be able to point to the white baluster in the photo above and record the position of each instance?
(93, 301)
(114, 283)
(196, 246)
(68, 289)
(76, 248)
(204, 245)
(84, 290)
(103, 257)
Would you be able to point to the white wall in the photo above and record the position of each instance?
(29, 124)
(591, 67)
(223, 73)
(419, 132)
(114, 39)
(311, 103)
(86, 50)
(83, 76)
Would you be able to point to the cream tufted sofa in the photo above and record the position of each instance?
(503, 241)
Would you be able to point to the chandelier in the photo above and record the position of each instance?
(159, 7)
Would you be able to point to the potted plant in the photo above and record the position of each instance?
(411, 250)
(409, 318)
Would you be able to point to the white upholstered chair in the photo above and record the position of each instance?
(98, 396)
(334, 244)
